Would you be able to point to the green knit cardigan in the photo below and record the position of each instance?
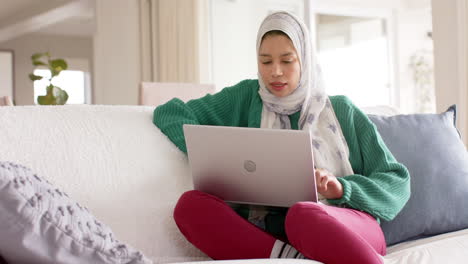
(380, 185)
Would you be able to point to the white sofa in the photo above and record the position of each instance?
(116, 162)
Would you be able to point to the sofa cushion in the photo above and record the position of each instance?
(450, 248)
(41, 224)
(430, 147)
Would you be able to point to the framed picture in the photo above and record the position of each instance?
(7, 82)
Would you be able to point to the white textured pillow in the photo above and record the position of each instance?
(41, 224)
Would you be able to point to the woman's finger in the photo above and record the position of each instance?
(324, 182)
(318, 179)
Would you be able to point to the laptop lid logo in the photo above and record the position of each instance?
(250, 166)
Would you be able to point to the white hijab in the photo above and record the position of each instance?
(317, 115)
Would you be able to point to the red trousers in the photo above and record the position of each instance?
(324, 233)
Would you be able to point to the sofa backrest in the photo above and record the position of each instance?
(156, 93)
(111, 159)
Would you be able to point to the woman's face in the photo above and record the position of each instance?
(278, 64)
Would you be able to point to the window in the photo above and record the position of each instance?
(353, 53)
(376, 52)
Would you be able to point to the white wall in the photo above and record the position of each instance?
(6, 76)
(413, 26)
(450, 19)
(355, 5)
(234, 35)
(58, 46)
(116, 52)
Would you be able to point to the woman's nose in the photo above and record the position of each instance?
(277, 71)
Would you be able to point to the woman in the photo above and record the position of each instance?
(358, 180)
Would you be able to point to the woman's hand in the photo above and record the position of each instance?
(328, 185)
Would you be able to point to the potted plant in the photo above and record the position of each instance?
(54, 95)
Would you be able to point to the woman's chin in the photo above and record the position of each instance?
(280, 93)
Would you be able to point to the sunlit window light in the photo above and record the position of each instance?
(359, 71)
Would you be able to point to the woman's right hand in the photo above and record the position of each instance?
(328, 185)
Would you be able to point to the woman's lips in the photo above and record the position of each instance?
(278, 86)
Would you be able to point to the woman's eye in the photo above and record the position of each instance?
(287, 61)
(266, 62)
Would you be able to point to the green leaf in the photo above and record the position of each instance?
(50, 90)
(57, 65)
(53, 72)
(33, 77)
(36, 56)
(61, 96)
(38, 63)
(54, 96)
(46, 100)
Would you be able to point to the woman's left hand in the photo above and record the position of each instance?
(328, 185)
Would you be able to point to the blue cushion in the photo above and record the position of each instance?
(430, 147)
(41, 224)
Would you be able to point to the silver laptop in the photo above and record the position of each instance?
(269, 167)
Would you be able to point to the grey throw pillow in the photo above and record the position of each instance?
(430, 147)
(41, 224)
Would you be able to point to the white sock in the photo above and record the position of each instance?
(283, 250)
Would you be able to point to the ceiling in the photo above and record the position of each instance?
(11, 7)
(74, 17)
(78, 19)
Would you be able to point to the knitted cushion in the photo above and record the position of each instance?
(41, 224)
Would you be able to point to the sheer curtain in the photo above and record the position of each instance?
(175, 44)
